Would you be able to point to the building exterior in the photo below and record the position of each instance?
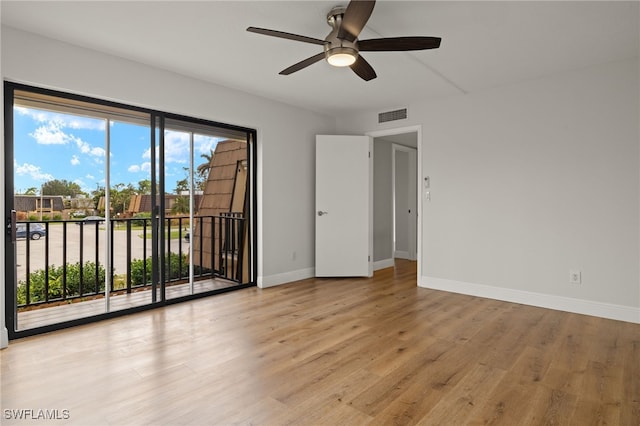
(142, 203)
(224, 196)
(45, 205)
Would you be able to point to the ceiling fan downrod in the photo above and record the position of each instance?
(339, 52)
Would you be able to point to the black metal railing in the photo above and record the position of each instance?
(65, 260)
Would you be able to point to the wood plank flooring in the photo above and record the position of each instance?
(331, 352)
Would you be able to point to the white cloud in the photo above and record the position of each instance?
(33, 171)
(136, 168)
(85, 148)
(204, 144)
(176, 147)
(91, 177)
(50, 134)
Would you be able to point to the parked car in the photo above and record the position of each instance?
(92, 219)
(36, 231)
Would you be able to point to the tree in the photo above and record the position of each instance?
(97, 194)
(61, 187)
(182, 185)
(199, 182)
(120, 196)
(144, 187)
(31, 191)
(180, 205)
(203, 169)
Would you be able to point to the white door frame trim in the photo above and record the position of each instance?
(399, 131)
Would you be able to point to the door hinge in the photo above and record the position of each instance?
(369, 258)
(369, 154)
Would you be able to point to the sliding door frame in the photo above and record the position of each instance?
(156, 122)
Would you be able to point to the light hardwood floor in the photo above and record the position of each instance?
(332, 352)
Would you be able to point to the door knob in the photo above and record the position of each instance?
(321, 213)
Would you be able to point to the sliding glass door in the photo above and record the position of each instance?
(206, 212)
(115, 208)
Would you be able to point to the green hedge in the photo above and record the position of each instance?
(37, 278)
(172, 265)
(56, 273)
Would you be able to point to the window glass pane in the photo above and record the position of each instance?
(130, 212)
(60, 161)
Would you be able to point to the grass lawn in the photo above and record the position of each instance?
(173, 235)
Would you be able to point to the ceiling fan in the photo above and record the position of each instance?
(342, 47)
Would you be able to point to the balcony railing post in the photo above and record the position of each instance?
(144, 251)
(201, 242)
(112, 222)
(167, 235)
(180, 246)
(46, 266)
(81, 256)
(128, 222)
(97, 258)
(64, 259)
(28, 269)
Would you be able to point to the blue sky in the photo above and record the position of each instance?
(50, 145)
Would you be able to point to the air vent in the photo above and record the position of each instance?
(399, 114)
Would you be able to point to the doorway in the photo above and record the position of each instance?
(396, 162)
(405, 203)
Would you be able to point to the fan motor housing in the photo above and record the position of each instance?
(335, 45)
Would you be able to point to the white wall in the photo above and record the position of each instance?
(529, 181)
(286, 134)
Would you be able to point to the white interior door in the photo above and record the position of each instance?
(344, 206)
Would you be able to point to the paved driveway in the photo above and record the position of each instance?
(55, 242)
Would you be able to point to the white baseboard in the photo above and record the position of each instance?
(401, 254)
(4, 338)
(382, 264)
(286, 277)
(560, 303)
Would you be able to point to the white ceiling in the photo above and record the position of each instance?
(484, 44)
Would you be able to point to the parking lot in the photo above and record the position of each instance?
(55, 243)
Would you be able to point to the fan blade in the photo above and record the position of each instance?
(288, 36)
(363, 69)
(303, 64)
(355, 18)
(398, 44)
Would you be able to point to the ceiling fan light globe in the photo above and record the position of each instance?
(341, 59)
(341, 56)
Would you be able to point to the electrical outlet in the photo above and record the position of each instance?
(575, 277)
